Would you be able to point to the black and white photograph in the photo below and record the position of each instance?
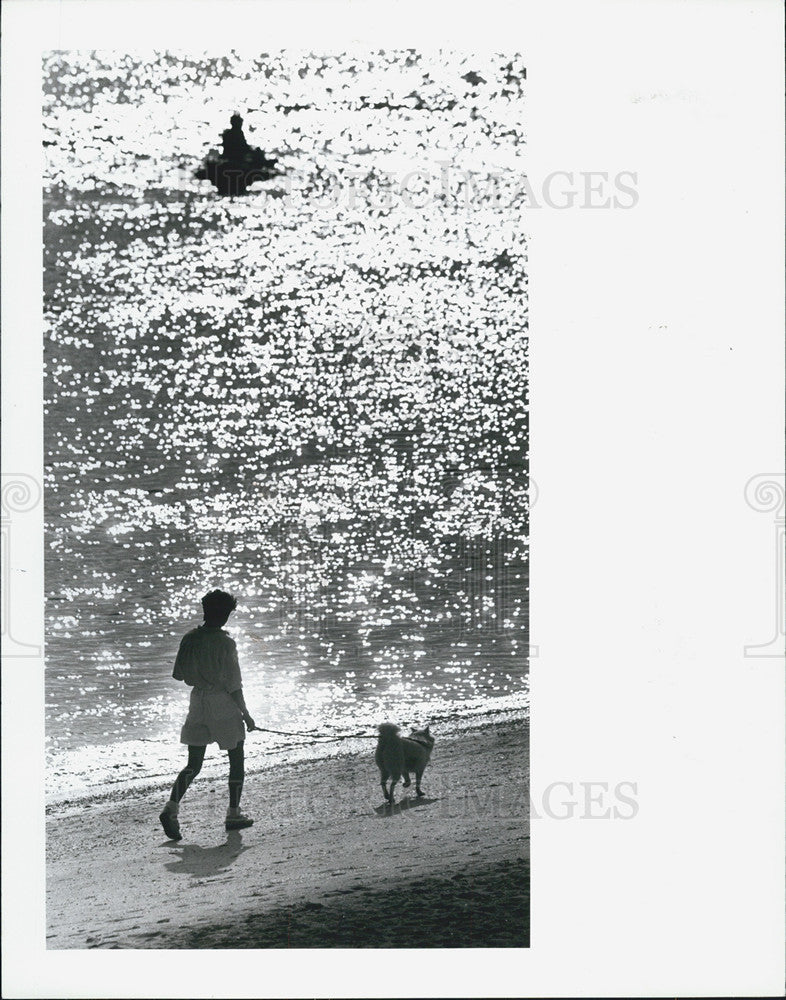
(286, 499)
(393, 499)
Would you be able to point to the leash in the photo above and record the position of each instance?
(314, 734)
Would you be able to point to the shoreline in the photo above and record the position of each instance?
(259, 758)
(324, 852)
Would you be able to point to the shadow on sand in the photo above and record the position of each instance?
(398, 807)
(196, 860)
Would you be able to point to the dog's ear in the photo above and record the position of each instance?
(428, 729)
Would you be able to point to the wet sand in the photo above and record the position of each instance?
(326, 863)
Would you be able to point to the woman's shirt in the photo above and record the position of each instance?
(207, 659)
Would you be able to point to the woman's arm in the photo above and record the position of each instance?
(240, 701)
(234, 683)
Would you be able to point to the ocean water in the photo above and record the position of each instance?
(314, 396)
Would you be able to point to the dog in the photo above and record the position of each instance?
(396, 756)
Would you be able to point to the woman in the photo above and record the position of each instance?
(207, 662)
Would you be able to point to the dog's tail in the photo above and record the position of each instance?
(390, 756)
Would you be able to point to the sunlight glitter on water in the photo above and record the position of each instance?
(317, 403)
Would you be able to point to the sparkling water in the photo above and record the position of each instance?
(313, 396)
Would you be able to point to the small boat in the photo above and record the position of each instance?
(239, 165)
(231, 177)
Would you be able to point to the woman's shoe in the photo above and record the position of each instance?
(238, 822)
(171, 825)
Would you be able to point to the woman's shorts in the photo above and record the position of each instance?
(213, 717)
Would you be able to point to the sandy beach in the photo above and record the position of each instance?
(326, 863)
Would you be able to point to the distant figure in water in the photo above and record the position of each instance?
(233, 142)
(238, 165)
(207, 662)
